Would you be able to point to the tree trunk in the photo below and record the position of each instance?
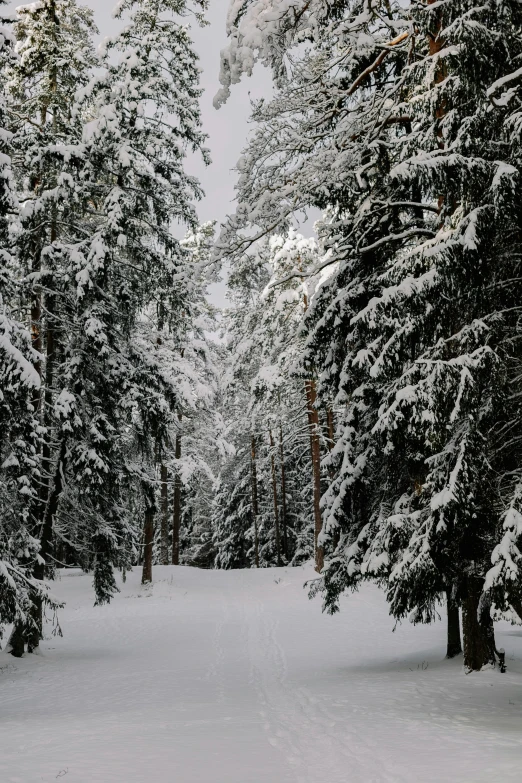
(315, 448)
(176, 525)
(164, 515)
(50, 347)
(477, 627)
(37, 395)
(454, 646)
(330, 426)
(16, 643)
(48, 499)
(148, 542)
(46, 539)
(255, 511)
(435, 45)
(36, 330)
(330, 441)
(284, 517)
(276, 505)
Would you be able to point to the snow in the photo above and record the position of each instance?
(235, 677)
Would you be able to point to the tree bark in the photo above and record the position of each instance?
(454, 646)
(176, 525)
(164, 515)
(36, 330)
(284, 517)
(276, 504)
(477, 627)
(330, 427)
(37, 395)
(315, 448)
(255, 511)
(148, 542)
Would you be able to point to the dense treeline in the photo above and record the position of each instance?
(401, 122)
(103, 311)
(361, 405)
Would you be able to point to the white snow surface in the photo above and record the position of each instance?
(236, 677)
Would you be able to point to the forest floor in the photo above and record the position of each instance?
(236, 677)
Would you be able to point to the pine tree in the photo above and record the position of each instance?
(232, 519)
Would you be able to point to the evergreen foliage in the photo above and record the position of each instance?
(96, 152)
(401, 123)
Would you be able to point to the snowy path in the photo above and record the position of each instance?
(235, 677)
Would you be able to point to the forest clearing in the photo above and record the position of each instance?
(234, 677)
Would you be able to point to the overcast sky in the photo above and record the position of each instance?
(227, 128)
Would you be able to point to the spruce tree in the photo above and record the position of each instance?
(55, 55)
(142, 116)
(19, 383)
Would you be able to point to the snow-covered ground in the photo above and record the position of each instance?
(235, 677)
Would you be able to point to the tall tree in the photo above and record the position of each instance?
(145, 119)
(55, 55)
(19, 385)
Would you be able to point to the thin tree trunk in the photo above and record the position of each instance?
(454, 646)
(330, 426)
(477, 627)
(148, 542)
(176, 525)
(255, 511)
(330, 442)
(276, 504)
(50, 337)
(284, 517)
(164, 515)
(435, 45)
(315, 448)
(46, 539)
(164, 473)
(50, 350)
(37, 395)
(36, 330)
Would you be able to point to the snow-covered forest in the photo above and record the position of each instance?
(348, 419)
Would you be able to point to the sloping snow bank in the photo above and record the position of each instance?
(235, 677)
